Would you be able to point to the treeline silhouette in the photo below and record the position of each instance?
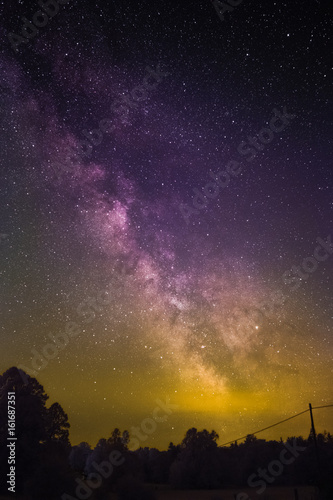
(47, 466)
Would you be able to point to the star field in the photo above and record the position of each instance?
(113, 119)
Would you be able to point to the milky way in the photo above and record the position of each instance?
(115, 118)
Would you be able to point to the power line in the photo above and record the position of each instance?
(269, 427)
(325, 406)
(273, 425)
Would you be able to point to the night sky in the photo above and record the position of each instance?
(185, 245)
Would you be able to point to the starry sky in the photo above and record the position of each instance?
(172, 282)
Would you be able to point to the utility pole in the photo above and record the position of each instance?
(315, 441)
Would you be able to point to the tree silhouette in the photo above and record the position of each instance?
(78, 456)
(118, 440)
(196, 466)
(30, 428)
(38, 430)
(57, 424)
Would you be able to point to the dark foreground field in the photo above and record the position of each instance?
(304, 493)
